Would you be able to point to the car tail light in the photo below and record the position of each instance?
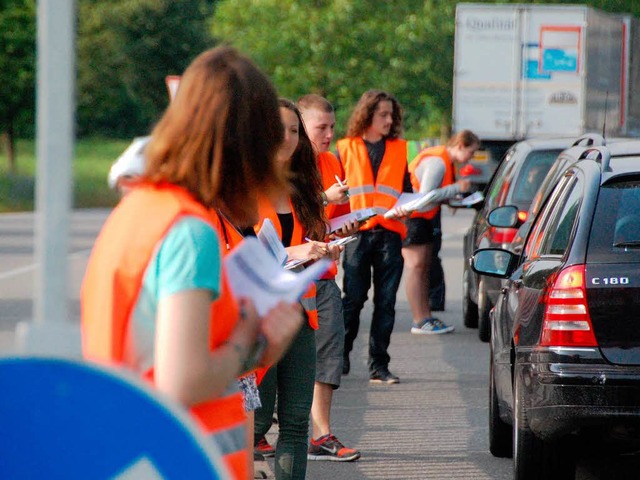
(499, 235)
(566, 321)
(522, 216)
(503, 235)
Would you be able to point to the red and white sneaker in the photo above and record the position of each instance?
(328, 447)
(264, 449)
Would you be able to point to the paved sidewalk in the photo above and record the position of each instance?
(433, 425)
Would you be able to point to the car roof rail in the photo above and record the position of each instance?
(600, 154)
(589, 140)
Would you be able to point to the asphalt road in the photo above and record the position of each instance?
(433, 425)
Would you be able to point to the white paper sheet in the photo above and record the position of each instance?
(253, 272)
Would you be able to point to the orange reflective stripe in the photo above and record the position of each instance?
(208, 414)
(381, 193)
(329, 167)
(238, 464)
(448, 178)
(225, 306)
(308, 302)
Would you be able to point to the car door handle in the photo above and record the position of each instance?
(517, 284)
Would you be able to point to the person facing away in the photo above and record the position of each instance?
(433, 170)
(319, 122)
(154, 297)
(375, 163)
(298, 217)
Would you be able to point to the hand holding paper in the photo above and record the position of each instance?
(254, 273)
(270, 239)
(410, 202)
(361, 215)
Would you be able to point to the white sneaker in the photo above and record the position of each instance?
(431, 326)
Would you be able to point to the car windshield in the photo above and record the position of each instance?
(615, 233)
(533, 171)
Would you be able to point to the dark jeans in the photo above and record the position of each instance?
(291, 380)
(381, 251)
(437, 288)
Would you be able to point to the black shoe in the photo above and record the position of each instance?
(383, 376)
(346, 365)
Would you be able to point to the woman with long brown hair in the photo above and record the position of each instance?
(154, 297)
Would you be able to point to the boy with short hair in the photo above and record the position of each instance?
(319, 119)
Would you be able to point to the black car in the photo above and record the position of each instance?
(514, 183)
(558, 167)
(565, 340)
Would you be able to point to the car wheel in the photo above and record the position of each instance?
(484, 309)
(534, 458)
(500, 433)
(469, 308)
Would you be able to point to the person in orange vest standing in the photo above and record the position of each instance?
(375, 163)
(298, 217)
(433, 170)
(319, 121)
(154, 298)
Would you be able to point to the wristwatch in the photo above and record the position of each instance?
(325, 201)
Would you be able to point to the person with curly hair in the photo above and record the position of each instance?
(375, 163)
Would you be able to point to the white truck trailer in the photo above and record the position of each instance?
(531, 70)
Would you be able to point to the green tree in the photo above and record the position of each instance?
(17, 70)
(340, 48)
(125, 50)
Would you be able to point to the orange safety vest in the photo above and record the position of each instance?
(448, 178)
(329, 167)
(308, 301)
(110, 291)
(382, 192)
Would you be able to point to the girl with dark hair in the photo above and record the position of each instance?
(298, 216)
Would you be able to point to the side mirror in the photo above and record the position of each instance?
(494, 262)
(504, 217)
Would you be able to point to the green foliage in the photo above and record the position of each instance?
(340, 48)
(126, 48)
(17, 65)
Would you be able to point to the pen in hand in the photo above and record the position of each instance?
(342, 185)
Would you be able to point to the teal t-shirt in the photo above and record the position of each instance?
(188, 258)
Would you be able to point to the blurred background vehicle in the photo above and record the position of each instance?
(565, 347)
(557, 169)
(515, 182)
(532, 70)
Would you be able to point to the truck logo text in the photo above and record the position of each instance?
(563, 97)
(493, 24)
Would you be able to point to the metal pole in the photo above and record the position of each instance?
(55, 132)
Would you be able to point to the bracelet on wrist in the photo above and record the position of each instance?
(325, 200)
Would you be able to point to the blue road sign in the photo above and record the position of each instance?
(61, 419)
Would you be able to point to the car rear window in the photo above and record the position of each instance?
(615, 230)
(535, 168)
